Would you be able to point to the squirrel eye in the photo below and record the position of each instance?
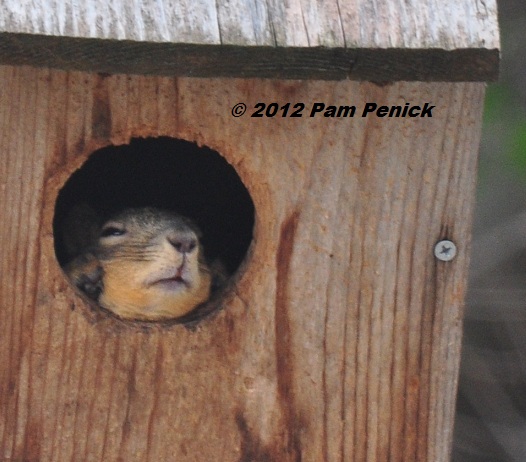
(112, 231)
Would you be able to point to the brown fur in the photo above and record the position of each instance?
(146, 264)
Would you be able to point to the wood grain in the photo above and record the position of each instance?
(361, 40)
(341, 337)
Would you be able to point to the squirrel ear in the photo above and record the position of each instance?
(86, 274)
(80, 229)
(219, 275)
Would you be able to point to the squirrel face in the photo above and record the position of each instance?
(152, 267)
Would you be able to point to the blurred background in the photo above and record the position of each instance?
(491, 407)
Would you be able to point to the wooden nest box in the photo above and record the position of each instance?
(350, 131)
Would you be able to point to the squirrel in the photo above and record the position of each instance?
(142, 264)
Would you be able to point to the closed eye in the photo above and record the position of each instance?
(112, 231)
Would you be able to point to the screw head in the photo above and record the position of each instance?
(445, 250)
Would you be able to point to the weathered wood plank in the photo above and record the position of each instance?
(365, 23)
(341, 338)
(361, 40)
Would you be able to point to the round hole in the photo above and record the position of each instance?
(132, 195)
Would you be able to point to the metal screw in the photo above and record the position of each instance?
(445, 250)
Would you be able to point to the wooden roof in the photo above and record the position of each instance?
(379, 40)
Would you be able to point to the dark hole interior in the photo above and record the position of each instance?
(171, 174)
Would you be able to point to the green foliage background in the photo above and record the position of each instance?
(501, 192)
(505, 118)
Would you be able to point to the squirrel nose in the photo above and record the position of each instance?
(183, 244)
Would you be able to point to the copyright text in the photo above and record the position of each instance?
(319, 109)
